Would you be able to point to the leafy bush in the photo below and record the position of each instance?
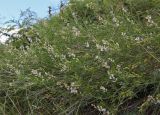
(95, 57)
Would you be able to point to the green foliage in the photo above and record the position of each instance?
(95, 57)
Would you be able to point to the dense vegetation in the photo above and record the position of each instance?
(94, 57)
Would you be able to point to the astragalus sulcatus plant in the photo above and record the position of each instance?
(95, 57)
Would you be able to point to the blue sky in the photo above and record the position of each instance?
(11, 8)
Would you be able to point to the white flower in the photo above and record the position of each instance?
(70, 54)
(150, 98)
(131, 21)
(158, 101)
(110, 59)
(118, 67)
(73, 90)
(73, 14)
(123, 34)
(35, 72)
(150, 21)
(124, 9)
(64, 68)
(73, 84)
(100, 108)
(103, 89)
(114, 19)
(139, 38)
(112, 77)
(101, 48)
(17, 72)
(117, 24)
(107, 113)
(63, 56)
(39, 73)
(97, 57)
(103, 110)
(105, 65)
(87, 44)
(58, 83)
(100, 18)
(75, 31)
(93, 106)
(149, 18)
(104, 42)
(10, 84)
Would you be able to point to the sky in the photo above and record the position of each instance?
(10, 9)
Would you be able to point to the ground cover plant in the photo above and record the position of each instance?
(95, 57)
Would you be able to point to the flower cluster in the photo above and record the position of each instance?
(101, 109)
(87, 44)
(106, 65)
(103, 89)
(139, 38)
(76, 31)
(123, 34)
(72, 88)
(102, 47)
(153, 100)
(124, 9)
(112, 77)
(71, 54)
(150, 21)
(64, 68)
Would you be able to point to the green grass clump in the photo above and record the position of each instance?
(94, 57)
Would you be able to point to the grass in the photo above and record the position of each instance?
(94, 57)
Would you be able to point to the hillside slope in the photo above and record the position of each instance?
(94, 57)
